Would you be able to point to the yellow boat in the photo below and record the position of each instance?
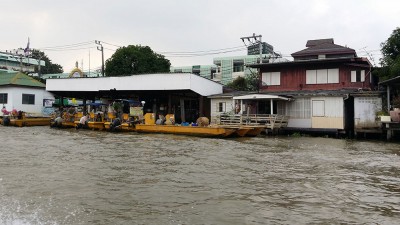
(186, 130)
(245, 130)
(93, 125)
(242, 131)
(255, 131)
(30, 121)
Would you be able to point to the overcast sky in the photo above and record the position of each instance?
(170, 26)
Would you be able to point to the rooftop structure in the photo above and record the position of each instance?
(14, 61)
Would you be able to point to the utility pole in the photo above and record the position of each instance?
(100, 48)
(250, 40)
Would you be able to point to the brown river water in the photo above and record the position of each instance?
(51, 176)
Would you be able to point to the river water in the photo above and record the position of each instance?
(51, 176)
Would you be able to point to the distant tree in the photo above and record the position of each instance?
(253, 81)
(239, 84)
(249, 83)
(49, 67)
(136, 59)
(391, 56)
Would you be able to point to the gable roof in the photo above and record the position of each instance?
(19, 79)
(323, 47)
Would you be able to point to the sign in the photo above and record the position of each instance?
(136, 111)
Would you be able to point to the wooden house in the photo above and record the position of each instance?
(325, 82)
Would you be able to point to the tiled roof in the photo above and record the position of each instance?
(323, 47)
(311, 43)
(19, 79)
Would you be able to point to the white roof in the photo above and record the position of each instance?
(146, 82)
(260, 96)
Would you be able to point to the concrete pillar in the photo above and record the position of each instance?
(272, 106)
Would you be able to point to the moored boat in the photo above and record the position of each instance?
(94, 125)
(30, 121)
(255, 130)
(210, 131)
(245, 130)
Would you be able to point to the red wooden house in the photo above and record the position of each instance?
(331, 88)
(323, 65)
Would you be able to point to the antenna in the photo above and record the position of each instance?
(369, 56)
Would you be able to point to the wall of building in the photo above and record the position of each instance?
(365, 109)
(228, 106)
(316, 112)
(294, 78)
(15, 99)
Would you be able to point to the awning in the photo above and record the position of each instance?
(260, 96)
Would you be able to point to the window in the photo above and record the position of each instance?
(300, 108)
(221, 107)
(333, 76)
(3, 98)
(271, 78)
(358, 76)
(318, 108)
(28, 99)
(323, 76)
(238, 66)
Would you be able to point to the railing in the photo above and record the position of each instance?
(270, 121)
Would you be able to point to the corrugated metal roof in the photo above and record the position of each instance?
(19, 79)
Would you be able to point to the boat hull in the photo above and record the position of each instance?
(96, 125)
(186, 130)
(27, 122)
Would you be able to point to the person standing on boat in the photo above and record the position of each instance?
(57, 122)
(82, 122)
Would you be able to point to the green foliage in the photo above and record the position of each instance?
(253, 81)
(248, 83)
(391, 56)
(296, 134)
(117, 106)
(238, 84)
(136, 59)
(382, 113)
(49, 67)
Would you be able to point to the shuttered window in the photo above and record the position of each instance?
(271, 78)
(221, 107)
(358, 76)
(318, 108)
(323, 76)
(300, 108)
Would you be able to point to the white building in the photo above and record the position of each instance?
(23, 93)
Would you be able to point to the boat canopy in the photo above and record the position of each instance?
(260, 96)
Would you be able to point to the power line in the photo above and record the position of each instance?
(68, 46)
(71, 49)
(188, 52)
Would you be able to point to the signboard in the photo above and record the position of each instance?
(136, 111)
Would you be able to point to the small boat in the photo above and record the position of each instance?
(30, 121)
(242, 131)
(94, 125)
(256, 130)
(209, 131)
(245, 130)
